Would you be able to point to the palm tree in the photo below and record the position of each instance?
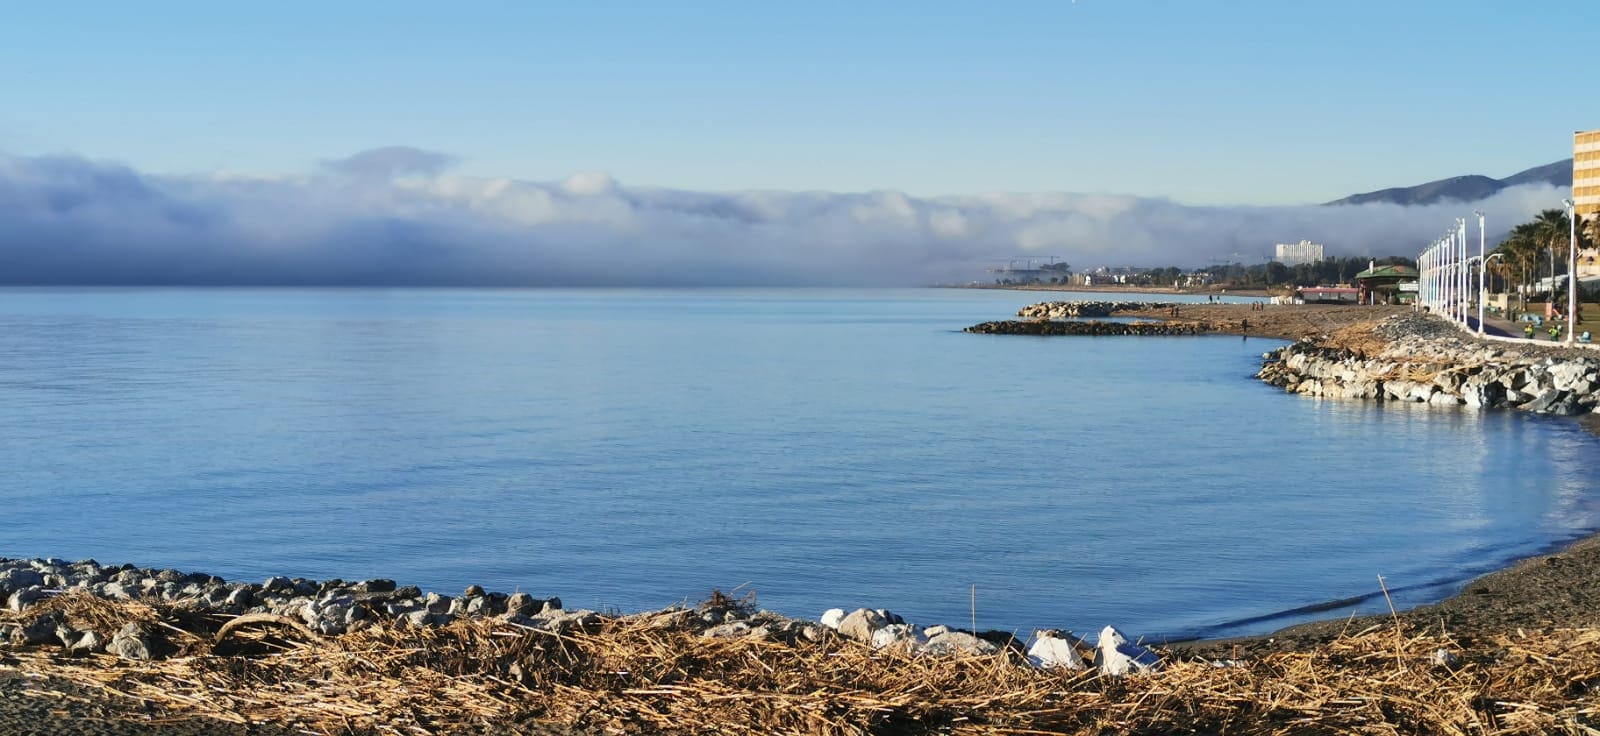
(1522, 251)
(1553, 233)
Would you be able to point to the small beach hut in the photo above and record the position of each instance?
(1383, 285)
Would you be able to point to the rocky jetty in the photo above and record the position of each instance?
(1076, 310)
(1091, 328)
(1424, 359)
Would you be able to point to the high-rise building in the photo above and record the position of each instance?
(1586, 172)
(1294, 254)
(1586, 194)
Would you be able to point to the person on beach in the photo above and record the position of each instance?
(1527, 331)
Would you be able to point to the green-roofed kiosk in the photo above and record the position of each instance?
(1387, 285)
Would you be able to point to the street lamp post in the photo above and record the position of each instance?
(1462, 278)
(1572, 270)
(1481, 290)
(1483, 282)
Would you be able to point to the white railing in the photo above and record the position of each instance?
(1445, 284)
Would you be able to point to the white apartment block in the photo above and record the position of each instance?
(1294, 254)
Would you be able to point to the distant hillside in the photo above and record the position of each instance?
(1465, 188)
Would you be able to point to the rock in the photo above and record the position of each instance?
(1444, 658)
(899, 634)
(117, 591)
(15, 579)
(376, 585)
(558, 621)
(832, 617)
(417, 618)
(437, 603)
(860, 624)
(1054, 650)
(278, 584)
(132, 641)
(240, 598)
(24, 598)
(523, 604)
(87, 643)
(41, 630)
(486, 605)
(472, 590)
(960, 641)
(1547, 402)
(328, 617)
(1117, 656)
(734, 630)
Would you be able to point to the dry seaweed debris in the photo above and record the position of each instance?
(636, 675)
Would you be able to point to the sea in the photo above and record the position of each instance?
(810, 448)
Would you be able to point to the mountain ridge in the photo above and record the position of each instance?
(1466, 188)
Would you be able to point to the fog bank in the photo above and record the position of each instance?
(397, 216)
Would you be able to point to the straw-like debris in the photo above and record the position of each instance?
(654, 673)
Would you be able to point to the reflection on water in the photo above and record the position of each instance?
(828, 447)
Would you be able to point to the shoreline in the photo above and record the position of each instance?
(1112, 289)
(1455, 650)
(1558, 586)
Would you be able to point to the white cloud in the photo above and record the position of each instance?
(393, 216)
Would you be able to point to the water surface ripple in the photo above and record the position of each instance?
(629, 449)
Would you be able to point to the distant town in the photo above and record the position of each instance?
(1293, 266)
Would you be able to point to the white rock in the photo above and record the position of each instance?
(898, 633)
(1118, 656)
(1053, 652)
(861, 623)
(832, 617)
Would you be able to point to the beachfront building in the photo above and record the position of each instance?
(1329, 295)
(1586, 172)
(1295, 254)
(1586, 193)
(1387, 284)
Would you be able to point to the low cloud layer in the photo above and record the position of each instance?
(396, 216)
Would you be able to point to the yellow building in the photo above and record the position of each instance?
(1586, 194)
(1586, 172)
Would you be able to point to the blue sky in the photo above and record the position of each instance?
(1258, 103)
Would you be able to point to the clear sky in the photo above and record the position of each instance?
(1238, 102)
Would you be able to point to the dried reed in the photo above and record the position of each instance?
(640, 675)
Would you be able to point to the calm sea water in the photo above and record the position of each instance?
(632, 449)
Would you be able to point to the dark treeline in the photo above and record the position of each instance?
(1325, 271)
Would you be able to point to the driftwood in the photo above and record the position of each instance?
(262, 618)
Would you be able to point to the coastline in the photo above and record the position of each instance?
(1545, 594)
(1558, 587)
(1112, 289)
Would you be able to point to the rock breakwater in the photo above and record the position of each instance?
(1423, 359)
(1079, 309)
(1047, 327)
